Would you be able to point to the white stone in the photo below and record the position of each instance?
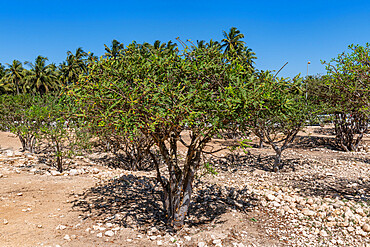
(67, 237)
(360, 211)
(310, 201)
(270, 197)
(5, 221)
(159, 242)
(61, 227)
(366, 227)
(99, 235)
(9, 153)
(323, 233)
(55, 173)
(202, 244)
(73, 172)
(187, 238)
(217, 241)
(308, 212)
(109, 233)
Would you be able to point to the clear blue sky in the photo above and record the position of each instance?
(277, 31)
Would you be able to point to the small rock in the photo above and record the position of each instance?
(159, 242)
(55, 173)
(310, 201)
(270, 197)
(5, 221)
(202, 244)
(109, 233)
(360, 211)
(9, 153)
(323, 233)
(217, 241)
(366, 228)
(73, 172)
(187, 238)
(67, 237)
(39, 226)
(361, 233)
(99, 235)
(153, 237)
(308, 212)
(61, 227)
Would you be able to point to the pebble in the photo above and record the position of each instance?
(308, 212)
(202, 244)
(5, 221)
(61, 227)
(109, 233)
(323, 233)
(270, 197)
(187, 238)
(366, 228)
(67, 237)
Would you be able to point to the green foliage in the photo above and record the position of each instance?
(41, 78)
(12, 80)
(18, 118)
(159, 93)
(277, 112)
(347, 94)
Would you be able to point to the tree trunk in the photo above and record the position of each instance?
(277, 159)
(261, 143)
(59, 156)
(23, 142)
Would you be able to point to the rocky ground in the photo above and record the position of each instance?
(320, 197)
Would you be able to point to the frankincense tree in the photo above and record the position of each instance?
(158, 95)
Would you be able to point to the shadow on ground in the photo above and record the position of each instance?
(327, 186)
(135, 202)
(308, 142)
(251, 162)
(310, 184)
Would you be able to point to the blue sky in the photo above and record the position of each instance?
(277, 31)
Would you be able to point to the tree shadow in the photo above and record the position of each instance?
(136, 202)
(120, 160)
(250, 162)
(308, 142)
(333, 187)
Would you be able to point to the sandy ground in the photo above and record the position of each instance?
(40, 209)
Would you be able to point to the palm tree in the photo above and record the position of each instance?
(14, 76)
(91, 58)
(232, 41)
(114, 50)
(41, 77)
(74, 65)
(235, 47)
(2, 71)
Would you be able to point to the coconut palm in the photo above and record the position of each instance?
(41, 77)
(235, 47)
(14, 76)
(212, 43)
(232, 41)
(115, 49)
(74, 65)
(2, 71)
